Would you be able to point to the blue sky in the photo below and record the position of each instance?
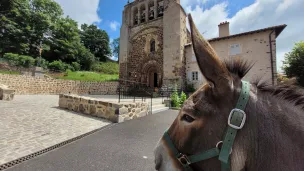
(243, 15)
(111, 13)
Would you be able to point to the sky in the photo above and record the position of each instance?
(243, 15)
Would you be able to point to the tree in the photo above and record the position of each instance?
(64, 41)
(115, 47)
(294, 63)
(96, 40)
(13, 26)
(24, 24)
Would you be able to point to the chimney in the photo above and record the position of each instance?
(224, 29)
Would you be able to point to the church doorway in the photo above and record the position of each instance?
(151, 74)
(153, 79)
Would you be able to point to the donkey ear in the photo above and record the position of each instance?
(210, 65)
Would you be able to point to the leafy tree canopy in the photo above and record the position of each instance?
(294, 62)
(96, 40)
(28, 25)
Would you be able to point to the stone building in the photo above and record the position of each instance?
(156, 49)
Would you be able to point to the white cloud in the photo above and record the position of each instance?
(83, 11)
(114, 25)
(260, 14)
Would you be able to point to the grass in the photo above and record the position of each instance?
(87, 76)
(10, 72)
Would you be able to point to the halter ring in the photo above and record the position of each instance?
(221, 142)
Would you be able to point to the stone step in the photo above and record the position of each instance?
(158, 105)
(159, 109)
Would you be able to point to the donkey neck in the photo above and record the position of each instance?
(273, 131)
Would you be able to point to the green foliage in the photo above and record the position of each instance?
(28, 25)
(10, 72)
(190, 88)
(106, 67)
(76, 66)
(25, 23)
(26, 61)
(88, 76)
(85, 58)
(175, 101)
(115, 47)
(19, 60)
(96, 40)
(59, 66)
(41, 63)
(11, 58)
(183, 98)
(294, 63)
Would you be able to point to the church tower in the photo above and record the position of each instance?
(152, 39)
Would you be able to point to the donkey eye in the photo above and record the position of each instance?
(187, 118)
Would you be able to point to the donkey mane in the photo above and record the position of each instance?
(288, 91)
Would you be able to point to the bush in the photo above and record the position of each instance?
(11, 58)
(26, 61)
(41, 63)
(19, 60)
(76, 66)
(294, 63)
(59, 66)
(86, 58)
(175, 101)
(190, 88)
(183, 98)
(106, 67)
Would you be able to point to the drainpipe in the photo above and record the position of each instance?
(271, 56)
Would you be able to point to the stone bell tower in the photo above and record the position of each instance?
(152, 39)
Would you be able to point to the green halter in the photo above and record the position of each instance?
(236, 121)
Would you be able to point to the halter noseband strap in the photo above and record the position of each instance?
(236, 121)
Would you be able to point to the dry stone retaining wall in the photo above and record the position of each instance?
(115, 112)
(35, 85)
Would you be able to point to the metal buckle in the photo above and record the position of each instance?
(243, 120)
(220, 148)
(183, 159)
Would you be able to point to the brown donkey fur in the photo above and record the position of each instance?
(273, 136)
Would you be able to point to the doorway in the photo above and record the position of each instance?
(155, 80)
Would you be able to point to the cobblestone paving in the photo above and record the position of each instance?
(31, 123)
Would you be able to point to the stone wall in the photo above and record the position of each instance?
(34, 85)
(115, 112)
(6, 93)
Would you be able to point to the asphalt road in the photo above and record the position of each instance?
(126, 146)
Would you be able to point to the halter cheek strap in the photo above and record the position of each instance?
(236, 121)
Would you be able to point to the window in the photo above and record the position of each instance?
(152, 45)
(235, 49)
(194, 76)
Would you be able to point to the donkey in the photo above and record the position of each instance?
(272, 138)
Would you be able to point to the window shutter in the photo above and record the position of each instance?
(199, 76)
(189, 76)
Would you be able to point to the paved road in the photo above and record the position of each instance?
(126, 146)
(31, 123)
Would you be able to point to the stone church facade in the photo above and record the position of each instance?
(156, 49)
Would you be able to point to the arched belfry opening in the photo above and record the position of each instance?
(135, 16)
(160, 8)
(142, 13)
(151, 9)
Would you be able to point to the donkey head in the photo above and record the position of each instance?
(201, 122)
